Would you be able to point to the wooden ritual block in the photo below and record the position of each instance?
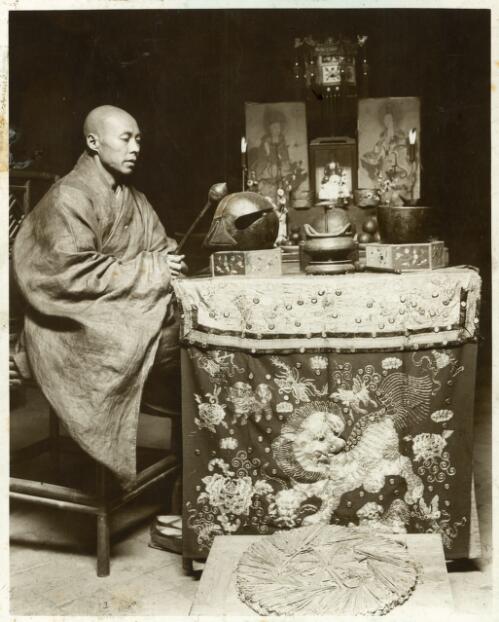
(405, 257)
(248, 263)
(217, 592)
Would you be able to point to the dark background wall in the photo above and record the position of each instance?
(185, 75)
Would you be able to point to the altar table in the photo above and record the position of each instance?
(337, 399)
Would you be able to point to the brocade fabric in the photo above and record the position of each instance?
(297, 434)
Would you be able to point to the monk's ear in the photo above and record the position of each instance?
(92, 141)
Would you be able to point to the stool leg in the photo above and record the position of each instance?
(103, 531)
(54, 435)
(187, 566)
(176, 448)
(176, 498)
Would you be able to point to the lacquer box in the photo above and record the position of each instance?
(249, 263)
(404, 257)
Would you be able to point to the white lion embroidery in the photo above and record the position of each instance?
(321, 464)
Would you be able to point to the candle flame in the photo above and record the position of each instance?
(244, 144)
(412, 136)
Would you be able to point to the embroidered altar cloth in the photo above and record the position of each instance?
(368, 425)
(356, 311)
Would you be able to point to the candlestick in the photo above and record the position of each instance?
(244, 165)
(412, 145)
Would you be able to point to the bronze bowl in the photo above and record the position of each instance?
(405, 224)
(325, 248)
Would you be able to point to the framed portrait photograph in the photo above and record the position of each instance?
(333, 163)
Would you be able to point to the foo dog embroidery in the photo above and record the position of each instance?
(311, 449)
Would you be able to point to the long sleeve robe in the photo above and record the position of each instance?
(90, 262)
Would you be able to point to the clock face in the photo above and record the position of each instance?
(330, 70)
(331, 74)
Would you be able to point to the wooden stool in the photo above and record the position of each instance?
(103, 502)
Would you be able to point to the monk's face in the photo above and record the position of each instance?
(118, 143)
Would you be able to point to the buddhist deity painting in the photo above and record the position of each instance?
(277, 148)
(389, 140)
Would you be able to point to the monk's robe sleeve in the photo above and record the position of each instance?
(61, 270)
(94, 320)
(160, 240)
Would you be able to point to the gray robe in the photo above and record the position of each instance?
(90, 262)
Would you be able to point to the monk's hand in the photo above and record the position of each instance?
(15, 377)
(175, 264)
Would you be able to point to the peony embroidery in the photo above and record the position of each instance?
(211, 413)
(229, 495)
(429, 448)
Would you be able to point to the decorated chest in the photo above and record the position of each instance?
(249, 263)
(422, 256)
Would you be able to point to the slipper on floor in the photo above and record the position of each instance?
(169, 520)
(166, 539)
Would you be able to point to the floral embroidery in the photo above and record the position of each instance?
(326, 453)
(229, 496)
(318, 363)
(229, 443)
(429, 449)
(211, 413)
(391, 362)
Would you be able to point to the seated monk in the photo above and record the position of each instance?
(95, 267)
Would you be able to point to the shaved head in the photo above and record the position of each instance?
(98, 118)
(113, 136)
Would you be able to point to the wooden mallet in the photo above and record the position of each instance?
(216, 193)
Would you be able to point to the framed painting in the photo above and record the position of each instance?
(277, 148)
(389, 136)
